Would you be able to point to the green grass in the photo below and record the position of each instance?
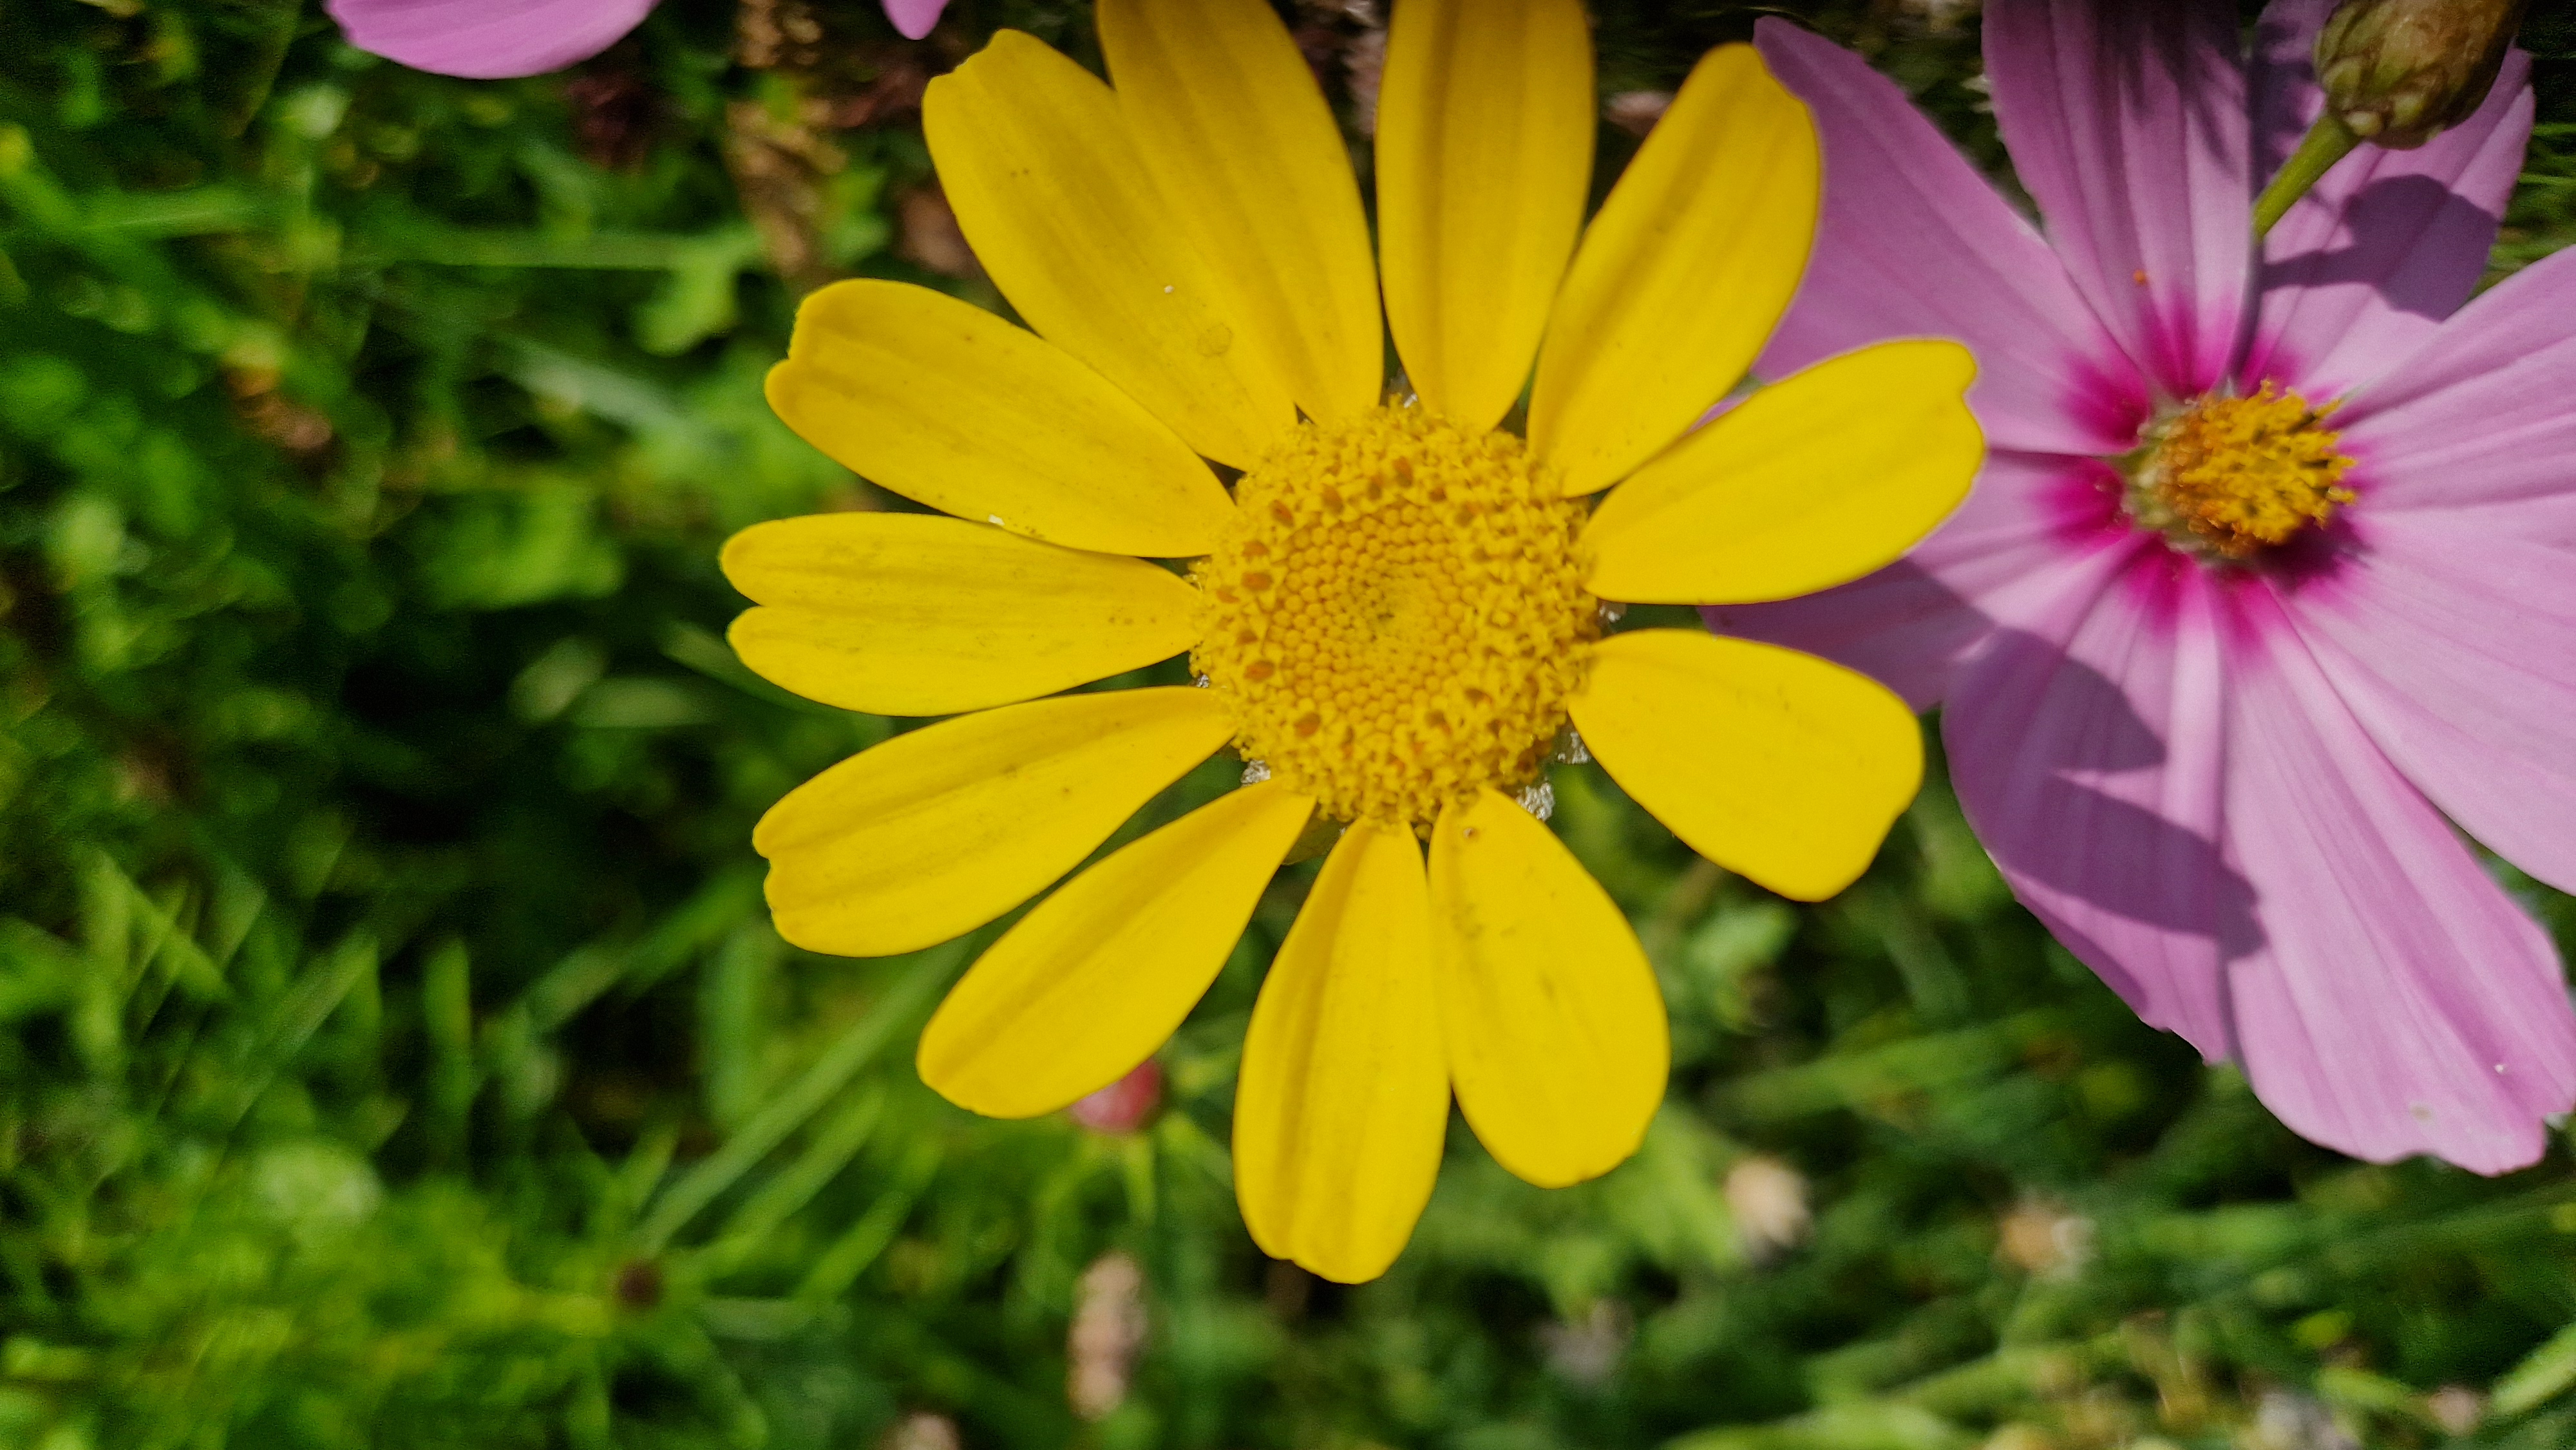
(394, 1051)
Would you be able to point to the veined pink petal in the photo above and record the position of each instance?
(2389, 243)
(487, 39)
(2127, 123)
(2456, 648)
(2173, 786)
(2029, 527)
(1914, 243)
(2088, 758)
(2399, 1001)
(914, 17)
(2481, 421)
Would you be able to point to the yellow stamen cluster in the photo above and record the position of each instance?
(1397, 619)
(2231, 477)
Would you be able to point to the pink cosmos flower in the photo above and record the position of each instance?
(2272, 568)
(489, 39)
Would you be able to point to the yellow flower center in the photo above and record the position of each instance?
(2227, 478)
(1396, 618)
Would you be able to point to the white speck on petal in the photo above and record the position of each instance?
(996, 521)
(1201, 682)
(1255, 771)
(1167, 291)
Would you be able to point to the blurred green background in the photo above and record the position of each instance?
(394, 1051)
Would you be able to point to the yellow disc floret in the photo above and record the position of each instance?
(2231, 477)
(1396, 618)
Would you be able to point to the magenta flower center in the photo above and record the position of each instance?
(2228, 478)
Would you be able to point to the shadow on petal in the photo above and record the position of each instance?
(2388, 221)
(2124, 858)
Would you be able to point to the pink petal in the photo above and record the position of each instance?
(2481, 422)
(487, 39)
(2399, 1002)
(2390, 242)
(1914, 243)
(2171, 784)
(914, 17)
(2456, 648)
(2127, 123)
(2029, 527)
(2088, 757)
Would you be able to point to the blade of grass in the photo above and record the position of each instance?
(893, 1016)
(850, 1255)
(2543, 1375)
(834, 1145)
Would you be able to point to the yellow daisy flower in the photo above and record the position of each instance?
(1395, 612)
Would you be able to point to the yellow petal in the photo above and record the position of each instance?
(909, 614)
(947, 404)
(1230, 122)
(942, 829)
(1683, 274)
(1773, 764)
(1810, 483)
(1090, 983)
(1344, 1099)
(1484, 155)
(1555, 1028)
(1051, 193)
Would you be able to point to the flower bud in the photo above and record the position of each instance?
(2399, 72)
(1125, 1105)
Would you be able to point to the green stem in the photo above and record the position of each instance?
(2327, 142)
